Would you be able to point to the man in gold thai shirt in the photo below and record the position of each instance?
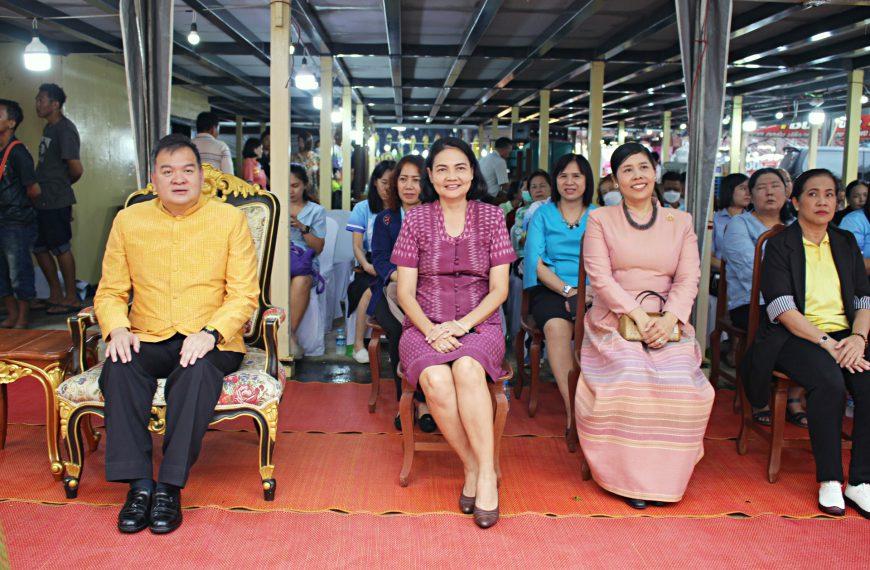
(190, 264)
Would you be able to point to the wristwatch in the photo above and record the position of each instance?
(305, 230)
(825, 338)
(213, 332)
(566, 290)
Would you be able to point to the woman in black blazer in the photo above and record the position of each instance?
(405, 187)
(816, 333)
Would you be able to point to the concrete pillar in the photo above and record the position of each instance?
(481, 133)
(279, 116)
(326, 138)
(346, 116)
(493, 133)
(853, 125)
(544, 131)
(620, 132)
(359, 130)
(736, 134)
(240, 141)
(596, 116)
(813, 150)
(666, 138)
(515, 119)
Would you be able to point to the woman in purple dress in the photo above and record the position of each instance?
(452, 256)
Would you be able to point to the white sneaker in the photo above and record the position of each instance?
(858, 496)
(831, 498)
(361, 356)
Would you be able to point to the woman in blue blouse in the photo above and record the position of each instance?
(734, 198)
(361, 223)
(552, 258)
(858, 221)
(767, 190)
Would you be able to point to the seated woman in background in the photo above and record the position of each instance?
(453, 255)
(552, 259)
(405, 187)
(361, 223)
(734, 198)
(818, 309)
(856, 198)
(674, 190)
(642, 406)
(537, 190)
(858, 223)
(767, 192)
(252, 172)
(608, 195)
(308, 232)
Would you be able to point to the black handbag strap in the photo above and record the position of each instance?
(643, 295)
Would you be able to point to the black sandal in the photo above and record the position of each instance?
(797, 418)
(762, 417)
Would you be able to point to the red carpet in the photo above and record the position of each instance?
(359, 473)
(75, 536)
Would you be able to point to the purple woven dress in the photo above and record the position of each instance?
(452, 279)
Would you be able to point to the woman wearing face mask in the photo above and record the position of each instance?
(734, 198)
(537, 192)
(362, 222)
(856, 197)
(674, 189)
(767, 191)
(608, 195)
(818, 317)
(552, 257)
(405, 188)
(632, 394)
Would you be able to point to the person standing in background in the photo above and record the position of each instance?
(59, 168)
(213, 151)
(494, 169)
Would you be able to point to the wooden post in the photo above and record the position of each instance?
(666, 138)
(240, 141)
(544, 131)
(620, 132)
(326, 139)
(346, 112)
(596, 116)
(853, 125)
(515, 119)
(813, 151)
(736, 134)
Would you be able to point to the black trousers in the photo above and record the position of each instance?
(826, 383)
(191, 395)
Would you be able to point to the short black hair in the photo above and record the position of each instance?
(13, 112)
(585, 169)
(624, 151)
(376, 203)
(673, 176)
(54, 91)
(416, 160)
(801, 180)
(172, 143)
(476, 191)
(753, 180)
(849, 188)
(206, 121)
(251, 144)
(503, 142)
(307, 140)
(539, 172)
(727, 186)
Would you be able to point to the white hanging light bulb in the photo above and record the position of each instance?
(305, 80)
(779, 115)
(317, 102)
(36, 55)
(750, 125)
(816, 117)
(193, 36)
(335, 115)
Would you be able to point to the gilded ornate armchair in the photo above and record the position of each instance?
(254, 390)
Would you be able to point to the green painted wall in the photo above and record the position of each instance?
(97, 103)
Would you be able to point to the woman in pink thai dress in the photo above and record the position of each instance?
(641, 407)
(452, 256)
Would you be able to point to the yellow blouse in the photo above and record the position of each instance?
(186, 272)
(824, 301)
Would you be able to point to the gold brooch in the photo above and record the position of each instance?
(670, 217)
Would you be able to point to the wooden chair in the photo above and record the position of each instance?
(254, 390)
(775, 434)
(375, 361)
(572, 439)
(724, 324)
(413, 442)
(528, 327)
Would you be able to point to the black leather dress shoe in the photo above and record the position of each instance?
(135, 514)
(165, 511)
(638, 504)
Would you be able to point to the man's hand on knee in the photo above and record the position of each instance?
(120, 342)
(195, 347)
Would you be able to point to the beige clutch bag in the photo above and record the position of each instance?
(628, 330)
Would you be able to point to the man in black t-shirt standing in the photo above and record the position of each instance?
(18, 190)
(59, 168)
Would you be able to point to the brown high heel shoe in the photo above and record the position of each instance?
(485, 519)
(466, 504)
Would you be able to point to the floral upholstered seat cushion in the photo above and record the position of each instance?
(249, 385)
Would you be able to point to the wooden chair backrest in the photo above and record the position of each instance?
(722, 293)
(755, 292)
(262, 211)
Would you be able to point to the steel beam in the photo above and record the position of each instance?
(230, 25)
(393, 23)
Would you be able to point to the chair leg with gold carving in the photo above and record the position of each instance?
(70, 420)
(267, 428)
(4, 410)
(91, 436)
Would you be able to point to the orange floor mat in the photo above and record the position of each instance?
(358, 473)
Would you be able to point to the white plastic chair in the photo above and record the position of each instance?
(312, 329)
(342, 266)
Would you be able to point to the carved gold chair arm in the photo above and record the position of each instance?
(78, 326)
(273, 317)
